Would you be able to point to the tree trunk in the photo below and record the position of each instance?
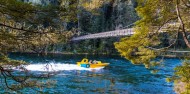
(182, 24)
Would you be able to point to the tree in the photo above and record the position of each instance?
(27, 27)
(157, 16)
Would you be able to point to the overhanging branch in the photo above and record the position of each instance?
(164, 48)
(21, 29)
(182, 24)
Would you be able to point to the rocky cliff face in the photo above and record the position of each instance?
(117, 14)
(41, 2)
(123, 13)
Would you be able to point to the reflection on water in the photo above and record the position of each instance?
(120, 77)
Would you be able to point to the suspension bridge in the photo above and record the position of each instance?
(118, 33)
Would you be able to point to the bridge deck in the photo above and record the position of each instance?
(116, 33)
(123, 32)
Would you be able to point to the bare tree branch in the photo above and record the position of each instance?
(188, 6)
(182, 24)
(164, 48)
(21, 29)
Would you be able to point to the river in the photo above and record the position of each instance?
(120, 77)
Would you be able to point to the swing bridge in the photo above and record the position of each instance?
(129, 32)
(117, 33)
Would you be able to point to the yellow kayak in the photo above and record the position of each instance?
(91, 64)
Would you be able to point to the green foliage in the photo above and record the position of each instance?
(73, 8)
(156, 16)
(135, 48)
(171, 16)
(181, 78)
(4, 60)
(26, 27)
(29, 28)
(183, 71)
(69, 10)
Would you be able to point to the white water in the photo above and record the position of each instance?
(56, 67)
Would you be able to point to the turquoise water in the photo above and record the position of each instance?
(120, 77)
